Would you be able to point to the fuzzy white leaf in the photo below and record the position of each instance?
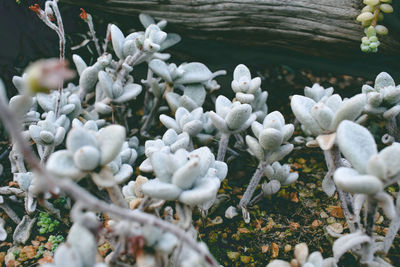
(61, 164)
(117, 39)
(350, 180)
(356, 143)
(110, 141)
(157, 189)
(348, 242)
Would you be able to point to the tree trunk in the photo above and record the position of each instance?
(320, 28)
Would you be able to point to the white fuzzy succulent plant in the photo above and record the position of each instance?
(323, 116)
(79, 250)
(271, 142)
(163, 242)
(370, 169)
(192, 178)
(248, 91)
(26, 182)
(87, 151)
(270, 145)
(280, 173)
(50, 131)
(383, 95)
(259, 104)
(24, 107)
(92, 125)
(133, 189)
(370, 173)
(317, 92)
(231, 118)
(69, 102)
(150, 41)
(89, 74)
(111, 88)
(194, 77)
(121, 171)
(243, 85)
(185, 121)
(169, 143)
(121, 166)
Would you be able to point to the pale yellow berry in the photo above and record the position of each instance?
(365, 16)
(386, 8)
(371, 2)
(381, 30)
(367, 9)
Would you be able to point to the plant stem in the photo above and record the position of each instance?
(255, 180)
(150, 117)
(368, 248)
(46, 153)
(391, 126)
(116, 196)
(93, 34)
(333, 162)
(147, 93)
(223, 145)
(10, 213)
(391, 233)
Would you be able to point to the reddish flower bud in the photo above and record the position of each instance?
(83, 14)
(35, 8)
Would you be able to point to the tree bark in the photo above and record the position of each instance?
(320, 28)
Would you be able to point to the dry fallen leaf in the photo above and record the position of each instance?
(275, 250)
(243, 230)
(293, 197)
(258, 224)
(316, 223)
(264, 249)
(294, 226)
(335, 211)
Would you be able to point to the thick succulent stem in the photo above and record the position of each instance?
(10, 213)
(147, 93)
(240, 143)
(391, 126)
(333, 162)
(391, 233)
(255, 180)
(370, 218)
(116, 196)
(256, 198)
(17, 162)
(223, 145)
(150, 117)
(46, 153)
(106, 39)
(93, 35)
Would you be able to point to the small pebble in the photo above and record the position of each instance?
(245, 259)
(233, 255)
(336, 228)
(324, 215)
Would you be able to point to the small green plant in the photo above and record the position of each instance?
(60, 202)
(46, 223)
(39, 252)
(55, 241)
(369, 17)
